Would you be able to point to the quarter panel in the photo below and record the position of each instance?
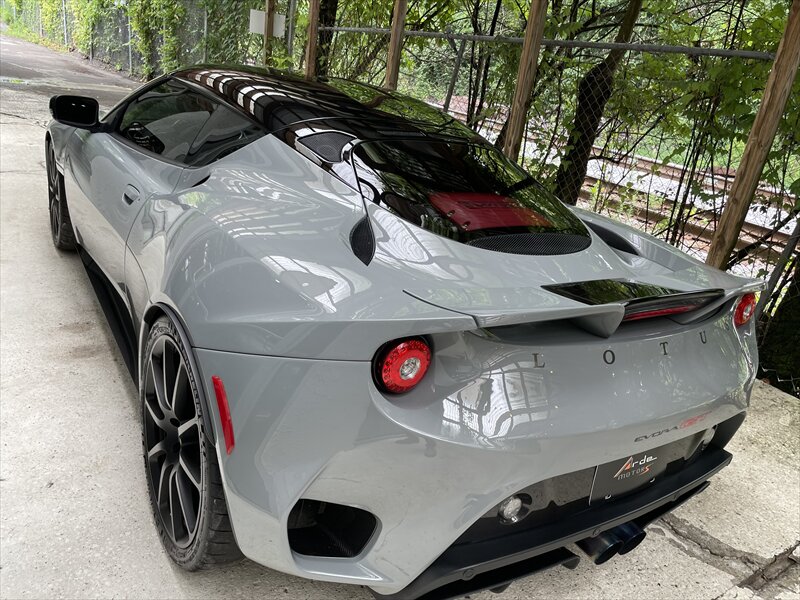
(257, 259)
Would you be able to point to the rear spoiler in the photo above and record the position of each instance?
(604, 318)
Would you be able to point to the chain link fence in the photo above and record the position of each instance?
(112, 40)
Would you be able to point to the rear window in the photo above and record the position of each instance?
(466, 192)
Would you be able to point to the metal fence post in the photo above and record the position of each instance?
(130, 47)
(205, 35)
(290, 29)
(269, 19)
(64, 21)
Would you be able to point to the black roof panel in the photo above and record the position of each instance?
(280, 100)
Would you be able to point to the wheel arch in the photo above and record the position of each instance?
(49, 143)
(56, 135)
(161, 309)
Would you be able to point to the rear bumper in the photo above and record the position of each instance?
(319, 430)
(471, 567)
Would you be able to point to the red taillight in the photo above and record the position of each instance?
(745, 310)
(402, 365)
(224, 413)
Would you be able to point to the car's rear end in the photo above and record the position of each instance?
(456, 408)
(605, 434)
(517, 442)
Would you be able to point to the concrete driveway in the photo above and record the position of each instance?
(74, 514)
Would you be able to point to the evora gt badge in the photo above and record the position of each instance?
(682, 425)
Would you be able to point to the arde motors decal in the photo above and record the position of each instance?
(634, 468)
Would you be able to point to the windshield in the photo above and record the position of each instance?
(459, 190)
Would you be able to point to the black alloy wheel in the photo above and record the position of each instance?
(172, 441)
(183, 476)
(60, 223)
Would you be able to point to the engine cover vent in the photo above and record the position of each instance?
(535, 244)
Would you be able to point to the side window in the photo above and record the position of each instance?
(224, 132)
(166, 119)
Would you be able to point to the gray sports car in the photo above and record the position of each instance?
(372, 350)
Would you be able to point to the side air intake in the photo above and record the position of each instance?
(326, 529)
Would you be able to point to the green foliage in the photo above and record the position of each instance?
(228, 40)
(50, 16)
(672, 108)
(145, 23)
(87, 14)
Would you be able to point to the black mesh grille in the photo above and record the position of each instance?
(328, 145)
(540, 244)
(362, 241)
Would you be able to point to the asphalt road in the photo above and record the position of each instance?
(74, 514)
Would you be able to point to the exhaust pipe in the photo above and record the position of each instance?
(619, 540)
(631, 535)
(602, 547)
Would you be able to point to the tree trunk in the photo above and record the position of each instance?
(594, 90)
(483, 74)
(327, 18)
(780, 347)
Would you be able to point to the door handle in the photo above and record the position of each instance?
(130, 195)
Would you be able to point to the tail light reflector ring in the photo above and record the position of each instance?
(745, 309)
(401, 365)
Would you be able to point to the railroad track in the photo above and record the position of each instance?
(697, 226)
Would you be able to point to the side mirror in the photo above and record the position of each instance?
(76, 111)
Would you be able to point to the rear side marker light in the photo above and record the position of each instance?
(745, 309)
(402, 364)
(224, 413)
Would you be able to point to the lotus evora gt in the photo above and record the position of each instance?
(372, 350)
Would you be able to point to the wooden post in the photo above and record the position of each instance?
(395, 44)
(526, 76)
(776, 92)
(269, 20)
(313, 38)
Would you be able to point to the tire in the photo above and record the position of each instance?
(183, 478)
(60, 224)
